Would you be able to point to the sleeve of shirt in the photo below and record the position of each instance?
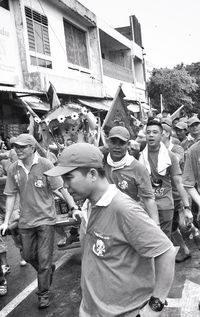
(144, 235)
(188, 178)
(55, 182)
(175, 167)
(144, 183)
(11, 186)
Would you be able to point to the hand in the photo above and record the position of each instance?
(3, 228)
(188, 216)
(77, 214)
(146, 311)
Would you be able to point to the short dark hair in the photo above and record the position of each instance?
(85, 170)
(154, 121)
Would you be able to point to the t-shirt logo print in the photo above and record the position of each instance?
(39, 183)
(99, 248)
(123, 184)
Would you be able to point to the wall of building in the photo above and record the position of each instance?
(112, 57)
(67, 78)
(10, 66)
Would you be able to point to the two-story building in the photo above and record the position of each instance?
(62, 42)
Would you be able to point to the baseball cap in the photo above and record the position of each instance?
(193, 120)
(120, 133)
(183, 119)
(167, 121)
(181, 125)
(12, 140)
(25, 139)
(166, 124)
(77, 155)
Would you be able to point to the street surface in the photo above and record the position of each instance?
(21, 299)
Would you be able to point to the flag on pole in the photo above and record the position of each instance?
(161, 104)
(143, 115)
(52, 96)
(150, 114)
(177, 113)
(118, 114)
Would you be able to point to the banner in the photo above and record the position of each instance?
(177, 113)
(52, 97)
(118, 114)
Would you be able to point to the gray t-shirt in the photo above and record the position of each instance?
(117, 266)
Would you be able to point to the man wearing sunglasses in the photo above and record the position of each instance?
(37, 210)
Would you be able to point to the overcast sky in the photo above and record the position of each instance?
(170, 28)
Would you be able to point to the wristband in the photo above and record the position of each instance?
(155, 304)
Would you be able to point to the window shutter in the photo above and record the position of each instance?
(31, 36)
(32, 16)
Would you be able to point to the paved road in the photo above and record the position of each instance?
(66, 293)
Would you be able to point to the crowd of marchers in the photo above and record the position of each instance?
(139, 198)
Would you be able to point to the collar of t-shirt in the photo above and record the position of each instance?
(107, 197)
(35, 161)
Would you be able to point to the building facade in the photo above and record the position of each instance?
(62, 42)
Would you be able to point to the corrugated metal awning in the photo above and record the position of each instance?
(96, 104)
(35, 103)
(20, 90)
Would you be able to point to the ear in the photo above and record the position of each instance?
(93, 172)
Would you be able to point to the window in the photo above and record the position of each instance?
(38, 36)
(40, 62)
(76, 45)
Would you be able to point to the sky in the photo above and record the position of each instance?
(170, 28)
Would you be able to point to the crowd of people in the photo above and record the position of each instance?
(139, 199)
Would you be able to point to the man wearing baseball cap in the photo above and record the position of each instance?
(129, 175)
(193, 135)
(179, 211)
(181, 130)
(127, 262)
(37, 210)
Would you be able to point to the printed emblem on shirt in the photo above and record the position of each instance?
(99, 248)
(123, 184)
(39, 183)
(101, 244)
(157, 187)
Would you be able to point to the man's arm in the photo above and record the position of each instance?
(65, 195)
(10, 202)
(184, 196)
(164, 275)
(151, 209)
(3, 180)
(195, 196)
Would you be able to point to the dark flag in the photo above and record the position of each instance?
(118, 114)
(52, 97)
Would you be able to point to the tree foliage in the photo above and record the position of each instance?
(194, 71)
(175, 85)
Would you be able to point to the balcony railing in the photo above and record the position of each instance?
(116, 71)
